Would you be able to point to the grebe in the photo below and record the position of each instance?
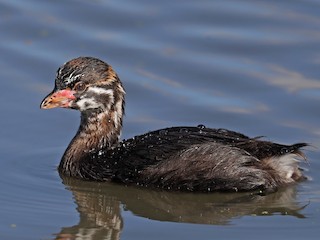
(176, 158)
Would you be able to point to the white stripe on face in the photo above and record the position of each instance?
(72, 78)
(99, 90)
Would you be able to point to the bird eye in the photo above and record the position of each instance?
(79, 87)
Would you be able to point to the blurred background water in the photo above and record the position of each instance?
(250, 66)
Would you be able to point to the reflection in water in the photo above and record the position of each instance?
(100, 205)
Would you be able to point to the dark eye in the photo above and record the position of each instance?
(79, 87)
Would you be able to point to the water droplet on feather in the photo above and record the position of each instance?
(201, 126)
(183, 130)
(163, 132)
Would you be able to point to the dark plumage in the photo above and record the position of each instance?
(177, 158)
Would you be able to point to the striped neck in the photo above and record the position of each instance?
(97, 131)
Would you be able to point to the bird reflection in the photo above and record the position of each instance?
(100, 206)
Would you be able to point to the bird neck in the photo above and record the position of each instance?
(97, 131)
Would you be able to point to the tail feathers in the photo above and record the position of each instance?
(286, 166)
(294, 148)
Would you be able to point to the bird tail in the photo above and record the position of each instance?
(296, 149)
(286, 166)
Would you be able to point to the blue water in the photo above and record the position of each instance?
(250, 66)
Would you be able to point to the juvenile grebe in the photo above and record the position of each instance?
(177, 158)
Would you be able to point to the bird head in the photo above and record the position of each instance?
(88, 85)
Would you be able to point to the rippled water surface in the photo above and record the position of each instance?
(250, 66)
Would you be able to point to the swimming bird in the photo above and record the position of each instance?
(175, 158)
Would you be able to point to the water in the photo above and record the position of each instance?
(250, 66)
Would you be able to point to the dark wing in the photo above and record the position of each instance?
(126, 161)
(161, 144)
